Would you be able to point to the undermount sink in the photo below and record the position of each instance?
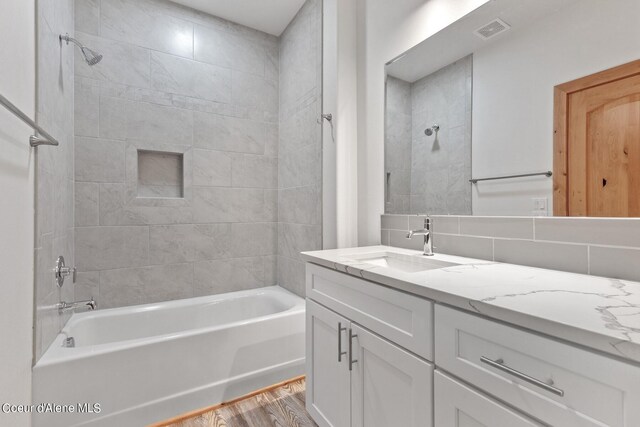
(401, 262)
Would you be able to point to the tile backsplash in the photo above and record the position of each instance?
(607, 247)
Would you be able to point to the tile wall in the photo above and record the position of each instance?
(240, 107)
(174, 80)
(430, 173)
(54, 170)
(597, 246)
(300, 147)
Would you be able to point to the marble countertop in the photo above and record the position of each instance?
(595, 312)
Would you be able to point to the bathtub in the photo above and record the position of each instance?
(151, 362)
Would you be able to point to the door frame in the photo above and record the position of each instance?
(561, 94)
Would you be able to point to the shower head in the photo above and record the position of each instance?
(91, 57)
(429, 131)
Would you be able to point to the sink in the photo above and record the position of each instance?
(401, 262)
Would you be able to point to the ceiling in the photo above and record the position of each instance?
(270, 16)
(458, 39)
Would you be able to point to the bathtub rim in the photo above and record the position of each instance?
(56, 353)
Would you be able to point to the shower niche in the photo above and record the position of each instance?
(160, 174)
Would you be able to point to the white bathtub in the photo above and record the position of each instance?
(152, 362)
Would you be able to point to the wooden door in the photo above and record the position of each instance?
(597, 144)
(389, 386)
(328, 398)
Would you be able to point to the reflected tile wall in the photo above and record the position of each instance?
(54, 170)
(429, 173)
(185, 82)
(441, 163)
(300, 145)
(397, 146)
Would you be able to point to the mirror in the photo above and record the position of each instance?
(521, 107)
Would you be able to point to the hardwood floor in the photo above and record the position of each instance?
(281, 406)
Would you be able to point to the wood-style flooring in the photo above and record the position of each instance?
(279, 406)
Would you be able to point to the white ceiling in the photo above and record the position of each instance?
(458, 39)
(270, 16)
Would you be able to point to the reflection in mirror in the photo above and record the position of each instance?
(525, 61)
(428, 141)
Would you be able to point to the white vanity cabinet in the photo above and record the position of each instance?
(557, 383)
(354, 376)
(377, 356)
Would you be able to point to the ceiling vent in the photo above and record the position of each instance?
(492, 29)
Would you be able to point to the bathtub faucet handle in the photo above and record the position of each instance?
(61, 271)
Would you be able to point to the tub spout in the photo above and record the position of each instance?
(90, 304)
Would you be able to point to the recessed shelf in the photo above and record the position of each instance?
(160, 174)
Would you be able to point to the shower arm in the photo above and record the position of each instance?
(68, 39)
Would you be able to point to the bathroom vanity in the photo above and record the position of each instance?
(398, 339)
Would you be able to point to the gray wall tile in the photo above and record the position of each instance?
(99, 160)
(189, 242)
(86, 204)
(227, 275)
(254, 171)
(228, 133)
(100, 248)
(219, 92)
(140, 22)
(131, 286)
(54, 194)
(211, 168)
(219, 204)
(191, 78)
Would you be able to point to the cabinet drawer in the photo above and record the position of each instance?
(402, 318)
(457, 405)
(557, 383)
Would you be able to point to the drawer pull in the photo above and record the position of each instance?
(340, 352)
(499, 364)
(351, 360)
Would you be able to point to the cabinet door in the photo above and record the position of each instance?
(328, 398)
(457, 405)
(389, 386)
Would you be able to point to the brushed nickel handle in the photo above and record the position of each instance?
(499, 364)
(340, 352)
(351, 360)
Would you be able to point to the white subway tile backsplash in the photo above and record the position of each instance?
(555, 256)
(597, 231)
(446, 224)
(608, 247)
(395, 222)
(398, 238)
(466, 246)
(505, 227)
(619, 263)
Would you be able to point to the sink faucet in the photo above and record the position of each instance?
(428, 239)
(90, 304)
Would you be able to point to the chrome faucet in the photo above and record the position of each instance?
(428, 239)
(89, 304)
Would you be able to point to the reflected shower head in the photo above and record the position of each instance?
(91, 57)
(429, 131)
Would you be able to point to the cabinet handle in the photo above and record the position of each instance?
(351, 337)
(340, 352)
(499, 364)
